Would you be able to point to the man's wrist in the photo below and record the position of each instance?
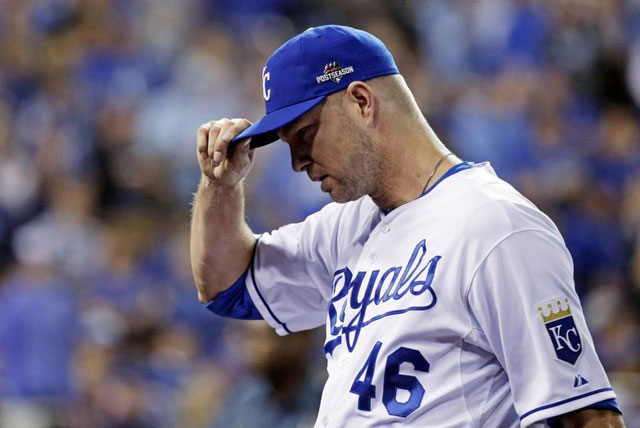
(208, 184)
(214, 195)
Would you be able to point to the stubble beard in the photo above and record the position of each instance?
(361, 171)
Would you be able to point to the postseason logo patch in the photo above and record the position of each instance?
(557, 319)
(334, 72)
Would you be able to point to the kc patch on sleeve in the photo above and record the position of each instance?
(563, 332)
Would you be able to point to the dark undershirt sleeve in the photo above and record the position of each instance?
(235, 301)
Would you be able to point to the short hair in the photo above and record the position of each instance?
(394, 88)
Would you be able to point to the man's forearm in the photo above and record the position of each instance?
(221, 241)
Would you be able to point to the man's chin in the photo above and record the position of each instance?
(339, 192)
(342, 197)
(339, 200)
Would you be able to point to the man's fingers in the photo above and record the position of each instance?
(228, 131)
(236, 129)
(244, 144)
(220, 144)
(214, 140)
(240, 125)
(202, 135)
(214, 134)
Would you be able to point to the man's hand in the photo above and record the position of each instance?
(220, 163)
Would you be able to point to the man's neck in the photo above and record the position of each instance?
(408, 166)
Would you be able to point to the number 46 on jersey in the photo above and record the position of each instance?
(393, 380)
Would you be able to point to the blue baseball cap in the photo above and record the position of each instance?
(301, 73)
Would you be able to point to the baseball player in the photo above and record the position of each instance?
(448, 298)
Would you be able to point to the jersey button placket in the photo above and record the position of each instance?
(343, 362)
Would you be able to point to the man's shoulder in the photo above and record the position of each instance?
(484, 205)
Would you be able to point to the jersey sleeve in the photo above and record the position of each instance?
(290, 276)
(523, 303)
(235, 301)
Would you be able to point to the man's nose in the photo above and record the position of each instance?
(300, 160)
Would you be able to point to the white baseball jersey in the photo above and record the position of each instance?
(457, 309)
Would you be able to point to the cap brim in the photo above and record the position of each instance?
(264, 131)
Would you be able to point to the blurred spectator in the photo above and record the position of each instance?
(72, 235)
(38, 327)
(617, 154)
(203, 396)
(492, 122)
(274, 392)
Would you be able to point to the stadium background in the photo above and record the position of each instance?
(99, 103)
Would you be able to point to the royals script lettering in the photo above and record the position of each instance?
(354, 296)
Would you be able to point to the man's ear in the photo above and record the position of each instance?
(362, 98)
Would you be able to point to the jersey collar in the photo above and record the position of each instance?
(451, 171)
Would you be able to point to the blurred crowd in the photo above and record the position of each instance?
(99, 102)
